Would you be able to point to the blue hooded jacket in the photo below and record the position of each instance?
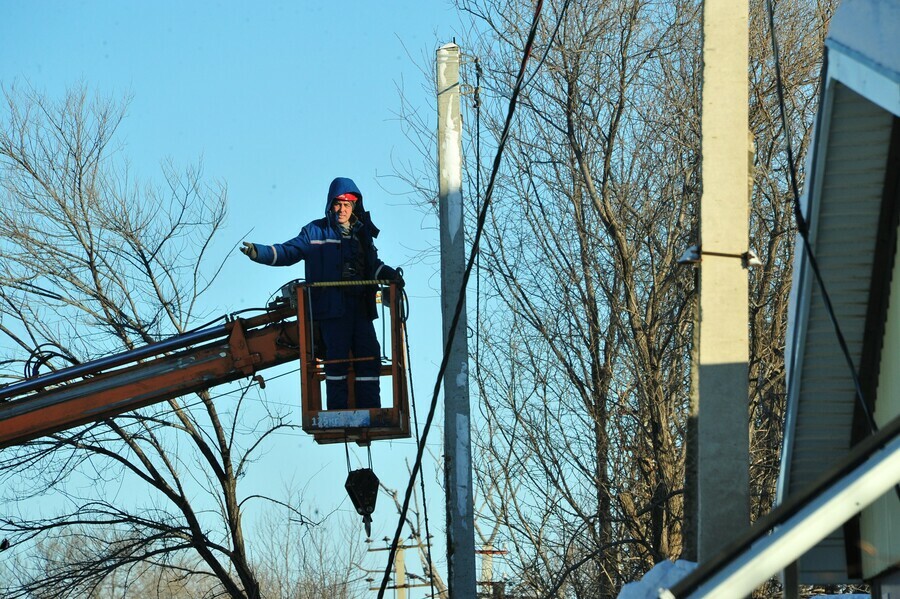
(321, 246)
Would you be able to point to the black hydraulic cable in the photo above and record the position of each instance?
(195, 335)
(199, 334)
(88, 368)
(482, 217)
(40, 357)
(226, 317)
(803, 226)
(208, 324)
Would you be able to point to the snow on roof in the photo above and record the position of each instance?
(663, 575)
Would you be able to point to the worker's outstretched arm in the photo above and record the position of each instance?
(279, 254)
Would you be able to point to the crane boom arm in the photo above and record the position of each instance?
(110, 386)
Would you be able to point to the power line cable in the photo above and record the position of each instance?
(803, 226)
(421, 473)
(477, 105)
(803, 229)
(482, 217)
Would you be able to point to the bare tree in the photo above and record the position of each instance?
(298, 558)
(92, 261)
(82, 545)
(584, 346)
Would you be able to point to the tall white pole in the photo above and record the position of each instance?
(457, 443)
(722, 406)
(400, 572)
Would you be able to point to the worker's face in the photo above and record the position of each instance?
(342, 209)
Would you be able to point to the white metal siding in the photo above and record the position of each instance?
(880, 522)
(846, 226)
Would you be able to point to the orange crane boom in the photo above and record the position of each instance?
(198, 360)
(109, 386)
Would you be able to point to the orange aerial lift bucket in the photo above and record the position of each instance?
(362, 425)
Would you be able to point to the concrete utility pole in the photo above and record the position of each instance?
(457, 443)
(722, 406)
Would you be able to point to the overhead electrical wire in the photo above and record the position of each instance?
(412, 394)
(803, 226)
(454, 324)
(476, 104)
(803, 229)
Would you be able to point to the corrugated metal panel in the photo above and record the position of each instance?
(880, 522)
(845, 234)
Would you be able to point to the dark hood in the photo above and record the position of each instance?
(340, 186)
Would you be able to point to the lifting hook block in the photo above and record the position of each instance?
(362, 486)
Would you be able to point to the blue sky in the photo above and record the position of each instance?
(276, 98)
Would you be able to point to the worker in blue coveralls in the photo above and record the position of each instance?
(340, 247)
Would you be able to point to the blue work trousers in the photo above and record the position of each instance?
(352, 334)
